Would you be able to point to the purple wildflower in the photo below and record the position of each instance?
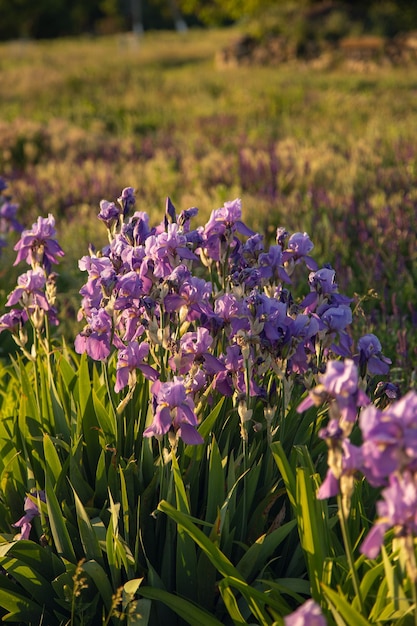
(370, 358)
(31, 510)
(13, 321)
(397, 509)
(339, 384)
(127, 200)
(94, 339)
(194, 349)
(298, 248)
(174, 412)
(109, 213)
(30, 291)
(39, 246)
(129, 359)
(389, 438)
(308, 614)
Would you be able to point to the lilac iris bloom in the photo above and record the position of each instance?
(129, 359)
(31, 511)
(389, 438)
(174, 411)
(298, 248)
(397, 509)
(13, 321)
(351, 463)
(194, 348)
(95, 337)
(371, 358)
(109, 213)
(230, 214)
(30, 290)
(39, 246)
(340, 383)
(233, 312)
(127, 200)
(308, 614)
(166, 249)
(190, 292)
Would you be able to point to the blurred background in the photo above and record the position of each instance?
(57, 18)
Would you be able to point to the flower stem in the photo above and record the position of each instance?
(349, 553)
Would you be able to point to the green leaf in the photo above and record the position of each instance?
(30, 580)
(216, 481)
(205, 429)
(88, 536)
(215, 555)
(341, 606)
(24, 610)
(105, 419)
(231, 604)
(186, 559)
(256, 557)
(313, 529)
(101, 581)
(193, 614)
(52, 460)
(286, 472)
(58, 525)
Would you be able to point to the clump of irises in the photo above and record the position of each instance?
(33, 299)
(205, 310)
(215, 310)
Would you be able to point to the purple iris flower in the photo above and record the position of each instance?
(232, 378)
(339, 383)
(185, 217)
(308, 614)
(230, 214)
(109, 213)
(271, 265)
(128, 289)
(174, 411)
(39, 246)
(397, 509)
(389, 438)
(298, 248)
(233, 312)
(370, 357)
(30, 290)
(166, 249)
(13, 321)
(94, 339)
(194, 348)
(303, 329)
(190, 292)
(129, 359)
(336, 318)
(31, 511)
(127, 200)
(351, 461)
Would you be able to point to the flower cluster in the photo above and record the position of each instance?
(387, 456)
(35, 293)
(203, 310)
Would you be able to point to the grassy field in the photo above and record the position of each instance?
(327, 152)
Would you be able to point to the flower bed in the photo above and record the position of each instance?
(212, 448)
